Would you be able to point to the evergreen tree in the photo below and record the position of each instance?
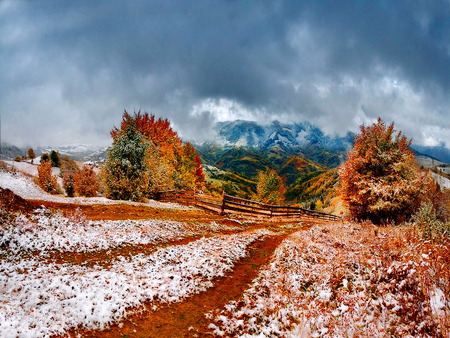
(380, 180)
(55, 158)
(126, 169)
(45, 157)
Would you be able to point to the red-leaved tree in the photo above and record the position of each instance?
(380, 181)
(146, 157)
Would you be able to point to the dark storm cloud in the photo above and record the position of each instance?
(70, 68)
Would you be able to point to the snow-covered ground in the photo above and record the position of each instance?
(39, 299)
(27, 189)
(342, 281)
(442, 181)
(44, 232)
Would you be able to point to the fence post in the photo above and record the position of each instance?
(222, 209)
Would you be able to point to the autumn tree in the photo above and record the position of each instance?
(68, 180)
(270, 188)
(85, 182)
(380, 181)
(163, 162)
(191, 176)
(31, 155)
(46, 180)
(68, 171)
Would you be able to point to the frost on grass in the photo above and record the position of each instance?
(342, 281)
(39, 300)
(44, 231)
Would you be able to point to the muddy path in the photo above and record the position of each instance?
(189, 317)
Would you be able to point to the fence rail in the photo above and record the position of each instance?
(231, 204)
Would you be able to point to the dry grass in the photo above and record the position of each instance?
(347, 280)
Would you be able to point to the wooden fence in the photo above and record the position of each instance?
(231, 204)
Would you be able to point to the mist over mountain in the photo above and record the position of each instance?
(440, 152)
(9, 152)
(275, 143)
(276, 134)
(77, 152)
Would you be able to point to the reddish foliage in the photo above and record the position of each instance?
(169, 164)
(46, 180)
(86, 183)
(380, 180)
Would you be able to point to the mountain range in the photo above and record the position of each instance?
(301, 153)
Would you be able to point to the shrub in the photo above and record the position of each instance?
(18, 159)
(428, 224)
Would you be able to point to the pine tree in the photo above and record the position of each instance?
(380, 180)
(126, 169)
(55, 158)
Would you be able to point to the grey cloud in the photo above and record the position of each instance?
(75, 65)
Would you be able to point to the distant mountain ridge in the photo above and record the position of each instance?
(78, 152)
(277, 134)
(274, 140)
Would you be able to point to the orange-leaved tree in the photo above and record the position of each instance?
(380, 181)
(147, 156)
(46, 180)
(270, 187)
(190, 169)
(86, 183)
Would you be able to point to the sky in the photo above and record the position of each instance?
(69, 69)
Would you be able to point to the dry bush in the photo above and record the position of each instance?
(347, 280)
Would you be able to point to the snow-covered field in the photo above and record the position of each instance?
(44, 232)
(27, 189)
(39, 299)
(342, 281)
(335, 280)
